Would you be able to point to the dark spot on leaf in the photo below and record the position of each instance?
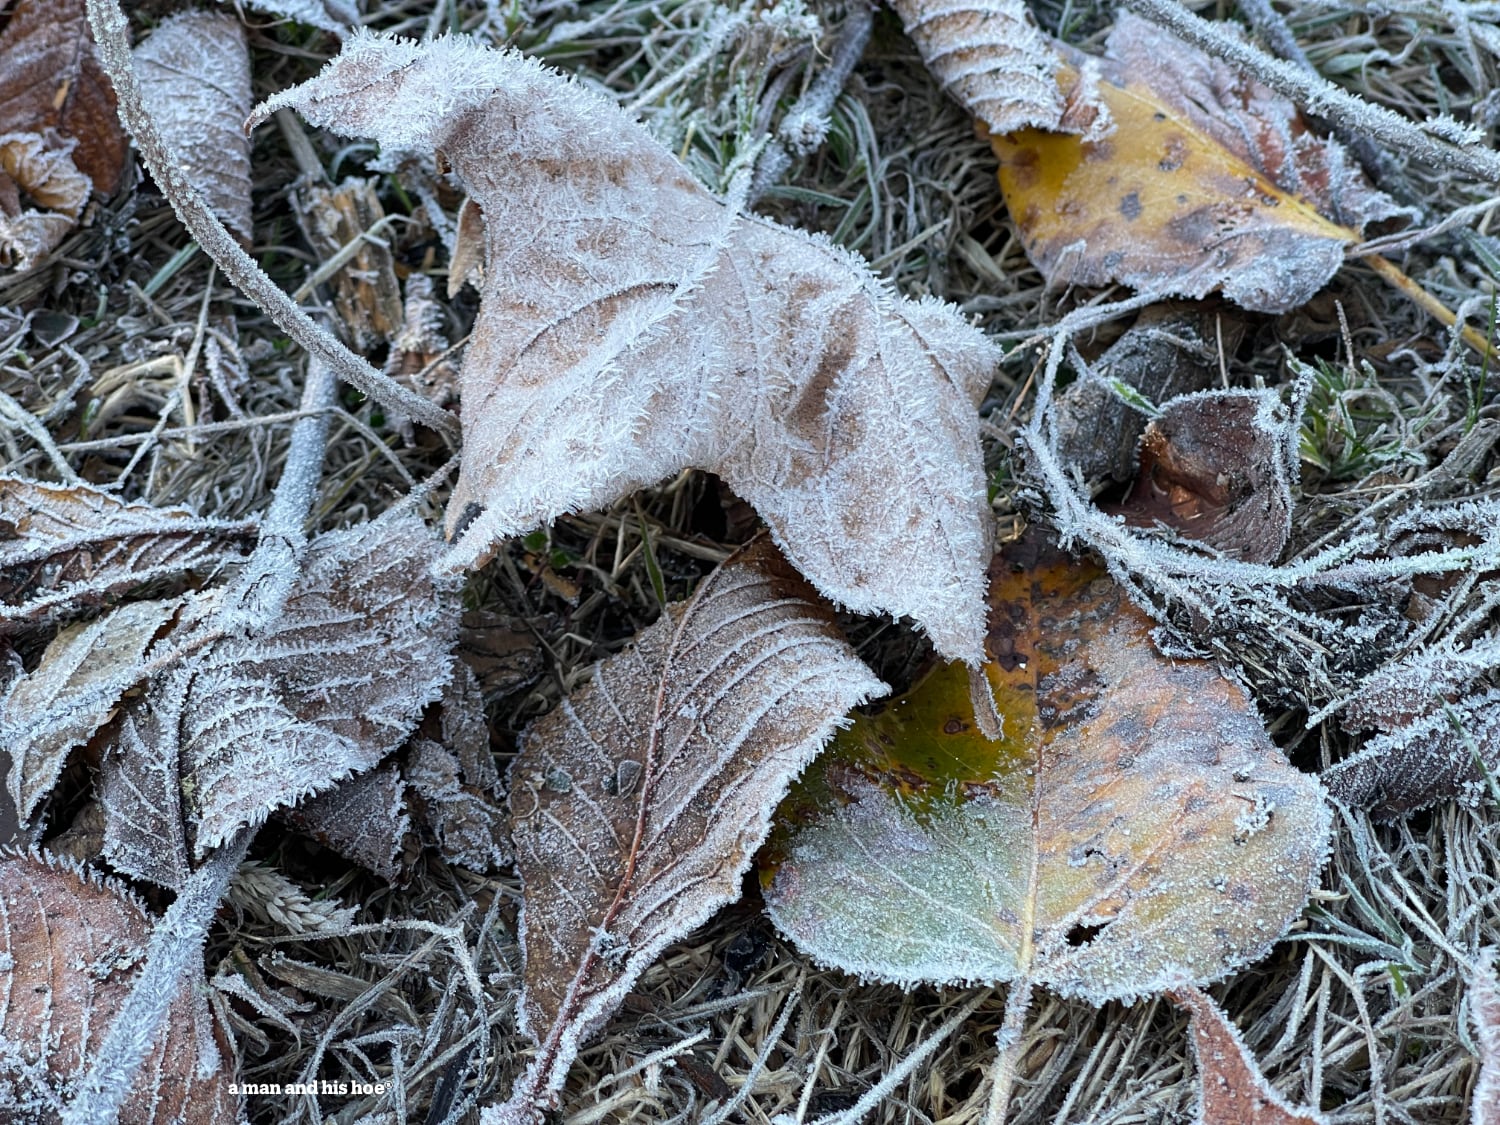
(1130, 206)
(1080, 936)
(472, 511)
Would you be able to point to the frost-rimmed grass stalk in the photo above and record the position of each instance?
(111, 34)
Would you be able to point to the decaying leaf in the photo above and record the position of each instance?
(1134, 829)
(1172, 349)
(363, 818)
(995, 62)
(194, 70)
(1218, 466)
(34, 171)
(637, 804)
(71, 947)
(1231, 1088)
(344, 224)
(337, 16)
(1209, 181)
(46, 713)
(247, 725)
(70, 548)
(1484, 1018)
(51, 83)
(633, 325)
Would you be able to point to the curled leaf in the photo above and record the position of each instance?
(1209, 181)
(1218, 467)
(637, 804)
(632, 325)
(1134, 828)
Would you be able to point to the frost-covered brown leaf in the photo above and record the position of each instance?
(71, 947)
(68, 549)
(637, 804)
(1231, 1088)
(249, 724)
(633, 325)
(194, 70)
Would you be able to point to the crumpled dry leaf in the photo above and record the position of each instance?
(1218, 466)
(50, 79)
(992, 58)
(632, 325)
(1484, 1018)
(455, 784)
(1133, 830)
(1171, 349)
(636, 805)
(367, 295)
(246, 725)
(71, 947)
(34, 170)
(1209, 181)
(194, 70)
(46, 713)
(71, 548)
(1231, 1088)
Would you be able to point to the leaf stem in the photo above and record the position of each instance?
(1317, 95)
(111, 34)
(1391, 273)
(1008, 1048)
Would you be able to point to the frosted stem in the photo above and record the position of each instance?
(1318, 95)
(111, 33)
(176, 948)
(1007, 1048)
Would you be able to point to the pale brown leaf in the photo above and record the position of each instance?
(1231, 1088)
(991, 57)
(34, 171)
(633, 325)
(637, 804)
(247, 725)
(70, 548)
(50, 79)
(71, 948)
(194, 70)
(72, 693)
(363, 818)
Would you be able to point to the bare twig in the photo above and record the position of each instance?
(111, 32)
(1318, 95)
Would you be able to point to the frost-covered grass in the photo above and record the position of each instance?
(1358, 1010)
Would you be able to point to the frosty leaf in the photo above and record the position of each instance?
(362, 818)
(1208, 181)
(50, 80)
(1484, 1018)
(1170, 350)
(632, 325)
(337, 16)
(66, 548)
(1134, 827)
(72, 948)
(73, 693)
(247, 725)
(1452, 751)
(1217, 466)
(194, 70)
(31, 170)
(1231, 1087)
(457, 786)
(990, 56)
(637, 804)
